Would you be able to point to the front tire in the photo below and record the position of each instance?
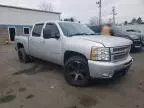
(77, 71)
(23, 57)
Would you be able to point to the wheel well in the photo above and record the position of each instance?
(69, 54)
(20, 45)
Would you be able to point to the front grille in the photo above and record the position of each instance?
(120, 49)
(120, 56)
(142, 39)
(120, 53)
(137, 42)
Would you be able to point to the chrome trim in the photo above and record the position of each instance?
(120, 53)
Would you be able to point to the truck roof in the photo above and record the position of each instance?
(54, 21)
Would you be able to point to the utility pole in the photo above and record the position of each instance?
(99, 3)
(114, 14)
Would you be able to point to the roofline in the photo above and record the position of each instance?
(22, 8)
(16, 25)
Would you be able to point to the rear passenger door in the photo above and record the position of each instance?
(35, 41)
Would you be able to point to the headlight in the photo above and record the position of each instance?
(100, 54)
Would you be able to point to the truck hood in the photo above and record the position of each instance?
(133, 33)
(107, 41)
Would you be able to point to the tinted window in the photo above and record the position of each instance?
(37, 30)
(53, 28)
(26, 30)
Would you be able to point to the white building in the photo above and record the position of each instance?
(18, 20)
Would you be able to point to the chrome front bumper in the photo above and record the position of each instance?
(99, 69)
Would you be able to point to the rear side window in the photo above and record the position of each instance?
(37, 30)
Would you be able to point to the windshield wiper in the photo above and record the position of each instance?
(78, 34)
(82, 34)
(92, 34)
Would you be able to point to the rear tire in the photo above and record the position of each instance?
(77, 71)
(23, 57)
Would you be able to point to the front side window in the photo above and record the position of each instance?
(52, 28)
(75, 29)
(37, 30)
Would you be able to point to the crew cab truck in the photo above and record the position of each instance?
(81, 52)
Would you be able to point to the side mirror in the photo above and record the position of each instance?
(57, 35)
(47, 34)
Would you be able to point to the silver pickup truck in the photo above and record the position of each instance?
(81, 52)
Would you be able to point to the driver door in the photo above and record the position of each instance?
(52, 46)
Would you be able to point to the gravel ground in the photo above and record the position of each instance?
(41, 85)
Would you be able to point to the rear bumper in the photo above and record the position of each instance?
(99, 69)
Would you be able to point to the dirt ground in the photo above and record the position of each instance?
(42, 85)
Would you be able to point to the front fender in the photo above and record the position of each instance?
(80, 46)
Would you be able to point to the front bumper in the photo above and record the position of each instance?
(100, 69)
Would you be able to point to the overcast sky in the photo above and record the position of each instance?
(83, 10)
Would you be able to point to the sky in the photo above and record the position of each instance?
(84, 10)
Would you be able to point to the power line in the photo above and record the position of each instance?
(114, 14)
(99, 3)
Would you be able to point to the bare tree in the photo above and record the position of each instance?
(139, 20)
(126, 22)
(134, 20)
(93, 21)
(46, 6)
(71, 19)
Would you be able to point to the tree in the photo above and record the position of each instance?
(93, 21)
(110, 21)
(71, 19)
(133, 21)
(139, 20)
(46, 6)
(126, 22)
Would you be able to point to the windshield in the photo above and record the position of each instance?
(75, 29)
(96, 29)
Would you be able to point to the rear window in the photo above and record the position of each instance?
(37, 30)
